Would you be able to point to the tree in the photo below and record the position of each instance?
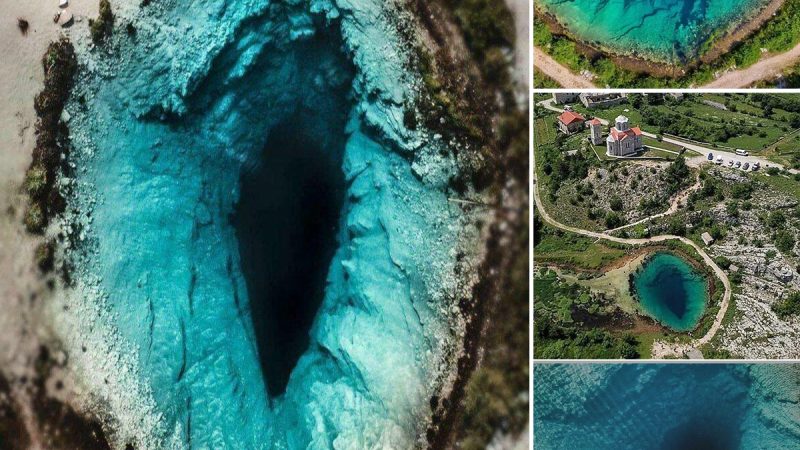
(612, 220)
(788, 306)
(615, 203)
(776, 219)
(677, 227)
(784, 241)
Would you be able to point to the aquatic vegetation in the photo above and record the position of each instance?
(261, 239)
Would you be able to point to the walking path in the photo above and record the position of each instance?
(559, 73)
(673, 208)
(767, 68)
(660, 349)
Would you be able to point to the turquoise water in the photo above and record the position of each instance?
(317, 315)
(670, 291)
(665, 30)
(666, 406)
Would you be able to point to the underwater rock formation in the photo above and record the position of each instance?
(165, 134)
(662, 30)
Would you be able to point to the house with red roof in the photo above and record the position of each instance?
(570, 122)
(623, 140)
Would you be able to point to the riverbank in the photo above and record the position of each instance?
(745, 44)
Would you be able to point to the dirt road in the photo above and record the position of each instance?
(660, 349)
(767, 68)
(556, 71)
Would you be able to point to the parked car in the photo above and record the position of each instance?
(719, 160)
(738, 164)
(710, 156)
(730, 163)
(746, 166)
(756, 165)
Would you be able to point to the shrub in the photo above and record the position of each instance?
(789, 306)
(616, 203)
(784, 241)
(613, 220)
(101, 27)
(44, 255)
(36, 180)
(34, 218)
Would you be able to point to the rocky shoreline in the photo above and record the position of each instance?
(643, 64)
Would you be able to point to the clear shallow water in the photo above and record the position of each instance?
(666, 30)
(317, 315)
(671, 291)
(666, 406)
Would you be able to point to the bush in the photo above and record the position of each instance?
(44, 255)
(34, 219)
(36, 180)
(615, 203)
(613, 220)
(101, 27)
(722, 261)
(787, 307)
(784, 241)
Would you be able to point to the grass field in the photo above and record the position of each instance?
(768, 131)
(574, 250)
(781, 183)
(660, 144)
(544, 132)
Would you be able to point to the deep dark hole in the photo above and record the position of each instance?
(704, 433)
(673, 292)
(286, 223)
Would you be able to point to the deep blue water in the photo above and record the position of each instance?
(666, 406)
(263, 265)
(671, 291)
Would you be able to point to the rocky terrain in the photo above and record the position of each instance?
(767, 274)
(634, 191)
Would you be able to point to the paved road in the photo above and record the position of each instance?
(662, 349)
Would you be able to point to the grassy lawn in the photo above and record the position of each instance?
(781, 183)
(655, 153)
(664, 145)
(767, 131)
(544, 132)
(634, 118)
(574, 250)
(646, 340)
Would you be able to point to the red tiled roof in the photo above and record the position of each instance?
(594, 121)
(621, 135)
(569, 117)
